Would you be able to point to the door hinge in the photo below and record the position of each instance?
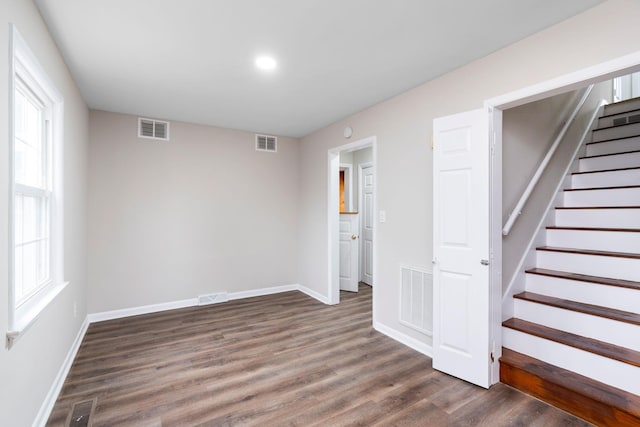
(492, 358)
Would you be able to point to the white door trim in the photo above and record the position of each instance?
(600, 72)
(571, 81)
(333, 217)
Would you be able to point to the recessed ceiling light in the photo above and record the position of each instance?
(266, 63)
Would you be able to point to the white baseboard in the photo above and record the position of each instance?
(261, 292)
(145, 309)
(314, 294)
(58, 382)
(411, 342)
(191, 302)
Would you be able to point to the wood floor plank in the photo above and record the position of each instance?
(277, 360)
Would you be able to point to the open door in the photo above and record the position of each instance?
(349, 252)
(461, 191)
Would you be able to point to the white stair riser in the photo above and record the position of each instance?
(606, 179)
(608, 197)
(622, 218)
(614, 161)
(592, 265)
(609, 120)
(598, 328)
(622, 107)
(618, 146)
(589, 293)
(612, 241)
(616, 132)
(608, 371)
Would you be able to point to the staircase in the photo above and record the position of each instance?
(574, 340)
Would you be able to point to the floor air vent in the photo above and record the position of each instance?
(266, 143)
(81, 414)
(416, 300)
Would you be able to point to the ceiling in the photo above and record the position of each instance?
(193, 60)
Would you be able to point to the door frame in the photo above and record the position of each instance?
(362, 166)
(333, 216)
(575, 80)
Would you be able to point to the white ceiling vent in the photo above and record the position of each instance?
(153, 129)
(266, 143)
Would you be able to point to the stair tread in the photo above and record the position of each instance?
(620, 114)
(617, 187)
(594, 310)
(580, 342)
(585, 278)
(584, 386)
(615, 126)
(612, 139)
(610, 154)
(589, 252)
(606, 170)
(630, 230)
(597, 207)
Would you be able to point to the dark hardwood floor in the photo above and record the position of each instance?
(278, 360)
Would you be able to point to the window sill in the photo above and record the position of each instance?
(27, 315)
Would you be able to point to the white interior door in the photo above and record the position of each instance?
(349, 252)
(461, 336)
(367, 183)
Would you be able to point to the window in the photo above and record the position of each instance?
(36, 196)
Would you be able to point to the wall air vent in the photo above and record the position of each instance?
(153, 129)
(416, 299)
(266, 143)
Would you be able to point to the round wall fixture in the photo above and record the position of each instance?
(348, 132)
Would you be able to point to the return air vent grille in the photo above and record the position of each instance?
(416, 300)
(153, 129)
(624, 120)
(266, 143)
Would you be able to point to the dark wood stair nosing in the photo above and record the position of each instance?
(621, 125)
(595, 207)
(619, 114)
(617, 187)
(584, 397)
(607, 281)
(612, 139)
(579, 307)
(612, 230)
(579, 342)
(609, 154)
(606, 170)
(589, 252)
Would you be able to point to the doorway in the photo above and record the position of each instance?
(356, 156)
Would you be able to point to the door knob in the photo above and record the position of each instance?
(484, 261)
(354, 236)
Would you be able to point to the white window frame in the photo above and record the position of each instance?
(25, 70)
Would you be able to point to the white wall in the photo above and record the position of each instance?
(403, 127)
(202, 213)
(28, 369)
